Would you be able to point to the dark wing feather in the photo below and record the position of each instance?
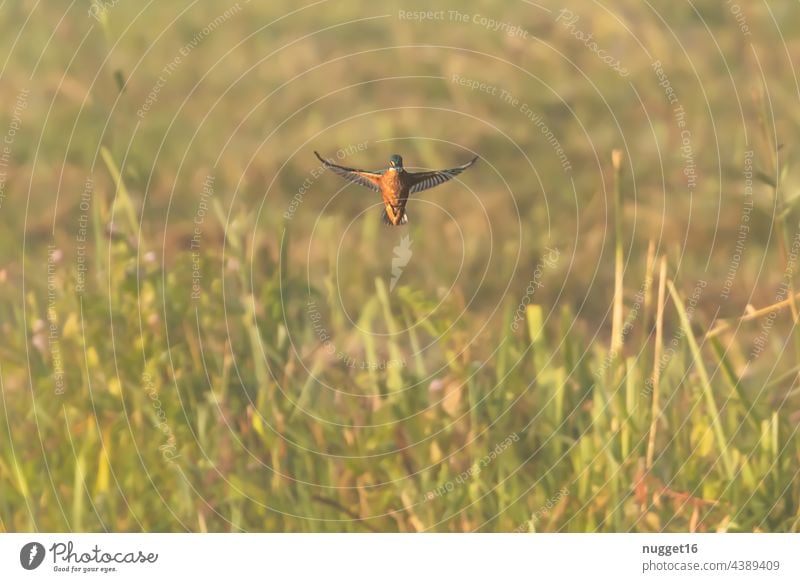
(425, 180)
(369, 180)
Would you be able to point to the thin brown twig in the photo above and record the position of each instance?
(338, 506)
(755, 314)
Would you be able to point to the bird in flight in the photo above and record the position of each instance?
(395, 184)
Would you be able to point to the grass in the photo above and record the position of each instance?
(611, 386)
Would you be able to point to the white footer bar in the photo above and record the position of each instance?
(401, 557)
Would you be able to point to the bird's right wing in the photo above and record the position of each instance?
(369, 180)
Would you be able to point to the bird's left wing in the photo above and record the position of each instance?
(424, 180)
(369, 180)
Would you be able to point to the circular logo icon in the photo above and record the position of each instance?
(31, 555)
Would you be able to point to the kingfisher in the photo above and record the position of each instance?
(395, 184)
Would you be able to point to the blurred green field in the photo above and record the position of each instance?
(202, 331)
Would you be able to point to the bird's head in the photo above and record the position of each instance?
(395, 162)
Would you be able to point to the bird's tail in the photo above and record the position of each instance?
(388, 221)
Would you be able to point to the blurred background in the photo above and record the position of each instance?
(204, 331)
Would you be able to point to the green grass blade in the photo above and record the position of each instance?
(719, 433)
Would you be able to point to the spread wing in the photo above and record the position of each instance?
(424, 180)
(369, 180)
